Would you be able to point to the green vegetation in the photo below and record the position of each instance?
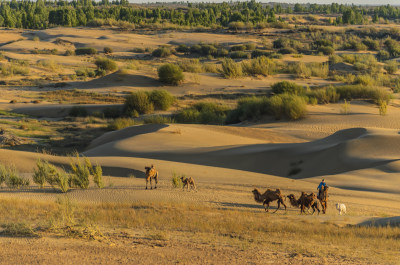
(204, 113)
(85, 51)
(106, 64)
(145, 102)
(10, 176)
(82, 171)
(170, 74)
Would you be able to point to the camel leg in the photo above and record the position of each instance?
(156, 181)
(266, 203)
(279, 206)
(147, 181)
(151, 185)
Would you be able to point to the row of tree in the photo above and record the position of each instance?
(43, 14)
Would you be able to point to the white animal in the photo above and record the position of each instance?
(341, 208)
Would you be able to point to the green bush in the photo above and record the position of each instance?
(170, 74)
(300, 70)
(363, 92)
(391, 67)
(239, 55)
(138, 101)
(106, 64)
(85, 51)
(191, 65)
(183, 48)
(287, 87)
(284, 105)
(161, 99)
(46, 172)
(69, 53)
(176, 180)
(82, 171)
(259, 66)
(13, 179)
(287, 51)
(324, 95)
(230, 69)
(326, 50)
(238, 48)
(203, 113)
(162, 52)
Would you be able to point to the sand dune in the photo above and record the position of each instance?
(344, 151)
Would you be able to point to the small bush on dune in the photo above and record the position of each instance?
(83, 170)
(161, 99)
(300, 70)
(162, 52)
(324, 95)
(284, 105)
(170, 74)
(158, 119)
(239, 55)
(391, 67)
(203, 113)
(259, 66)
(287, 87)
(191, 65)
(48, 173)
(363, 92)
(138, 101)
(121, 123)
(85, 51)
(12, 178)
(230, 69)
(176, 180)
(106, 64)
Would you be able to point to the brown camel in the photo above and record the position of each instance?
(188, 181)
(305, 201)
(151, 173)
(268, 197)
(323, 198)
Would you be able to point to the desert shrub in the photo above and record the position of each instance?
(250, 46)
(86, 72)
(299, 69)
(170, 74)
(18, 230)
(383, 55)
(176, 180)
(239, 55)
(36, 38)
(334, 59)
(13, 179)
(382, 105)
(287, 51)
(12, 69)
(391, 67)
(108, 50)
(191, 65)
(210, 68)
(284, 105)
(222, 52)
(162, 52)
(106, 64)
(3, 174)
(281, 43)
(259, 53)
(324, 95)
(161, 99)
(259, 66)
(85, 51)
(230, 69)
(363, 92)
(238, 48)
(121, 123)
(203, 113)
(287, 87)
(46, 172)
(138, 101)
(158, 119)
(365, 80)
(183, 48)
(83, 170)
(372, 45)
(139, 50)
(326, 50)
(78, 111)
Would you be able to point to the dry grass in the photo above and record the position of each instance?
(239, 228)
(80, 97)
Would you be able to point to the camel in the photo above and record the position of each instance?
(188, 181)
(268, 197)
(151, 173)
(323, 198)
(305, 201)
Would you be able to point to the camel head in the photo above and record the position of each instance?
(257, 195)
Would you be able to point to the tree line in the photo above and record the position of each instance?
(43, 14)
